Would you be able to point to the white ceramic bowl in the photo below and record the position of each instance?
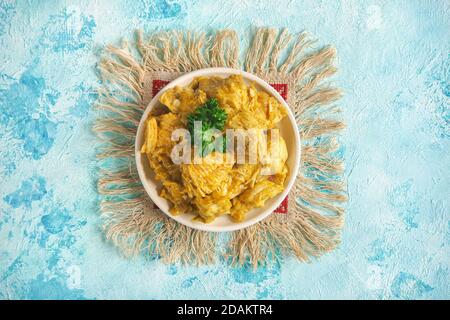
(288, 130)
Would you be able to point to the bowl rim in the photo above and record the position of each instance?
(294, 171)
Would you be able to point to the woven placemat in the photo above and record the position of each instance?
(310, 219)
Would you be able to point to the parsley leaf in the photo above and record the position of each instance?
(211, 116)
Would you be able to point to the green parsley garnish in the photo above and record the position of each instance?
(211, 117)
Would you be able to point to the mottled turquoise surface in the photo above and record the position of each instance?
(394, 67)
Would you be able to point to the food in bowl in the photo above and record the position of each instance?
(233, 158)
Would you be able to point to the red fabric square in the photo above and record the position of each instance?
(282, 89)
(157, 85)
(283, 207)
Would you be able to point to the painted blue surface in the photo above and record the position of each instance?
(394, 59)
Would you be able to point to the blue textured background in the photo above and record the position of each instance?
(394, 67)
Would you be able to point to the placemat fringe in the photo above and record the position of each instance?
(135, 225)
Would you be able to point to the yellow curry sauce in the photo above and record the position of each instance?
(214, 188)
